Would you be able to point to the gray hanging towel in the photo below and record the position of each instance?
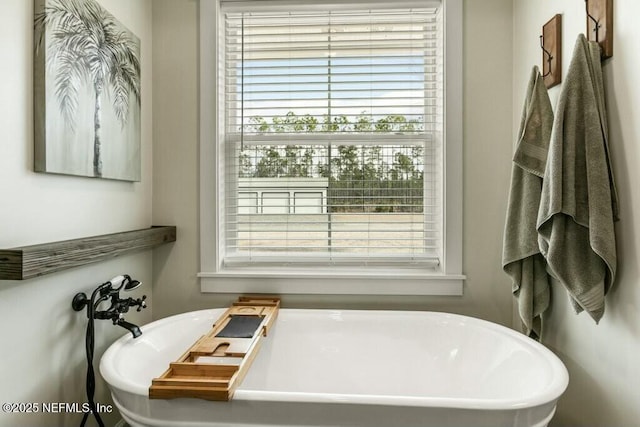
(579, 202)
(521, 257)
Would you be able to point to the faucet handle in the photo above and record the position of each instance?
(140, 303)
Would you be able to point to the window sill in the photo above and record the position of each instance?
(346, 282)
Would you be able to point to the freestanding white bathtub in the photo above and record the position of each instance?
(351, 368)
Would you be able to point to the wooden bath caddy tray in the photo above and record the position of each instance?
(217, 363)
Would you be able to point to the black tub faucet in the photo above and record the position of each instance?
(129, 327)
(107, 291)
(111, 291)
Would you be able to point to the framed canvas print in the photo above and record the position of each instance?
(87, 92)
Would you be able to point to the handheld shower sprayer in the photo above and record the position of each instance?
(124, 282)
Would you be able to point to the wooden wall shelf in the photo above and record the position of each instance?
(27, 262)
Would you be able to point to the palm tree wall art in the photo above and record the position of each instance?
(87, 92)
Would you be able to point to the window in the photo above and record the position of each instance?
(332, 143)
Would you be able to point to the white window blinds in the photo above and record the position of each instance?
(333, 133)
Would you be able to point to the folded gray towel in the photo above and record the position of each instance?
(521, 257)
(579, 201)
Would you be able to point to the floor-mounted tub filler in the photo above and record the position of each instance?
(350, 368)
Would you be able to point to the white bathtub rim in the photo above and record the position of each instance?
(387, 400)
(555, 389)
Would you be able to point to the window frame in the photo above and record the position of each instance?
(327, 280)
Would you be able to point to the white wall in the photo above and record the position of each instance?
(487, 150)
(42, 350)
(603, 359)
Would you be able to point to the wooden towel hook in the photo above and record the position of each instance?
(551, 44)
(600, 24)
